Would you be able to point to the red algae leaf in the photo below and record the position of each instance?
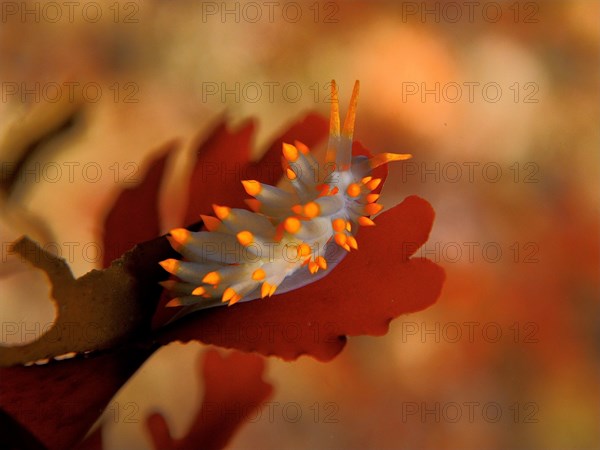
(59, 402)
(360, 296)
(231, 383)
(134, 216)
(216, 174)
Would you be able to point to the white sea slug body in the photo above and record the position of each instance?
(290, 238)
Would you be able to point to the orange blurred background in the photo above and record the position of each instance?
(497, 101)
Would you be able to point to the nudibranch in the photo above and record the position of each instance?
(291, 237)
